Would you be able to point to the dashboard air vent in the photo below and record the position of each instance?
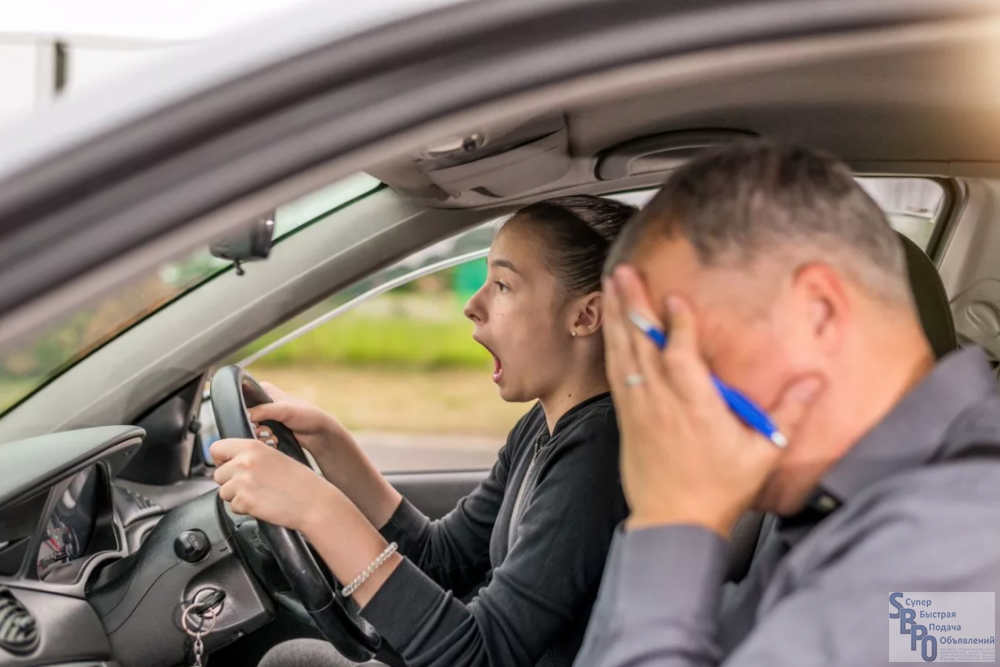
(18, 630)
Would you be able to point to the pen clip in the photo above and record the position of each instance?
(653, 332)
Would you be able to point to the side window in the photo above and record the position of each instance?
(393, 359)
(913, 205)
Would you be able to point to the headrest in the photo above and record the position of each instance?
(931, 298)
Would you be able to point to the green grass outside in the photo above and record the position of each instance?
(404, 332)
(386, 338)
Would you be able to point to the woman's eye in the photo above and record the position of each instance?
(501, 286)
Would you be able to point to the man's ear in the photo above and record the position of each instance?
(588, 314)
(823, 304)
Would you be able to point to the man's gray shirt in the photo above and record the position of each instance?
(919, 510)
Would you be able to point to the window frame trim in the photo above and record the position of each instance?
(337, 311)
(955, 197)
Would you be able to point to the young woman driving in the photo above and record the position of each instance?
(537, 530)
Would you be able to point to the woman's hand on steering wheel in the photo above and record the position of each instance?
(335, 451)
(277, 486)
(258, 480)
(316, 431)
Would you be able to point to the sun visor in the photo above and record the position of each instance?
(501, 160)
(510, 172)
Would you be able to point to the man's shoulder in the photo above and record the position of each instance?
(941, 493)
(937, 518)
(970, 477)
(977, 429)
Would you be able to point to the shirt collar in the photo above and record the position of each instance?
(911, 434)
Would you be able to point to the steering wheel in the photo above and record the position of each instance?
(233, 391)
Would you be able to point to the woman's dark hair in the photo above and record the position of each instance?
(576, 232)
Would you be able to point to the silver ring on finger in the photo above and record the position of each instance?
(634, 379)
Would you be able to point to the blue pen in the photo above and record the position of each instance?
(739, 404)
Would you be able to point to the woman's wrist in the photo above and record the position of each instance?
(364, 594)
(346, 541)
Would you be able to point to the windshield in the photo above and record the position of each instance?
(27, 367)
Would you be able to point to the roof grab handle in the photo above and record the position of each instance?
(660, 152)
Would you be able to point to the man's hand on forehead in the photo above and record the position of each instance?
(685, 458)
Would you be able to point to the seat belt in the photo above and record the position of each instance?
(977, 451)
(742, 545)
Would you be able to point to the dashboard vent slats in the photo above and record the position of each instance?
(18, 629)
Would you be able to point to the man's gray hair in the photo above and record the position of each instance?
(753, 198)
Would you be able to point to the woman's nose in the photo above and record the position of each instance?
(472, 309)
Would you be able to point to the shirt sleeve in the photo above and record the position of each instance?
(835, 610)
(547, 581)
(659, 600)
(827, 606)
(453, 551)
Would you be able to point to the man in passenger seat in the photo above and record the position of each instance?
(772, 269)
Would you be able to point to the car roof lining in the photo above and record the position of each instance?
(888, 102)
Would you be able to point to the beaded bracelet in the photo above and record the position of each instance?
(367, 573)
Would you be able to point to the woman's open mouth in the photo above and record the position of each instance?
(497, 364)
(497, 367)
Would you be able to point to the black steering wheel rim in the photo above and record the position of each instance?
(233, 391)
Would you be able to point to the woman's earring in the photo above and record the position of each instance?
(573, 334)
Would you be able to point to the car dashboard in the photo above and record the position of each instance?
(90, 571)
(79, 525)
(57, 525)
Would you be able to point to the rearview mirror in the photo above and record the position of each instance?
(248, 243)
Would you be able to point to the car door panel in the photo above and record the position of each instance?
(436, 493)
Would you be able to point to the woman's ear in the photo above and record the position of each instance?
(587, 315)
